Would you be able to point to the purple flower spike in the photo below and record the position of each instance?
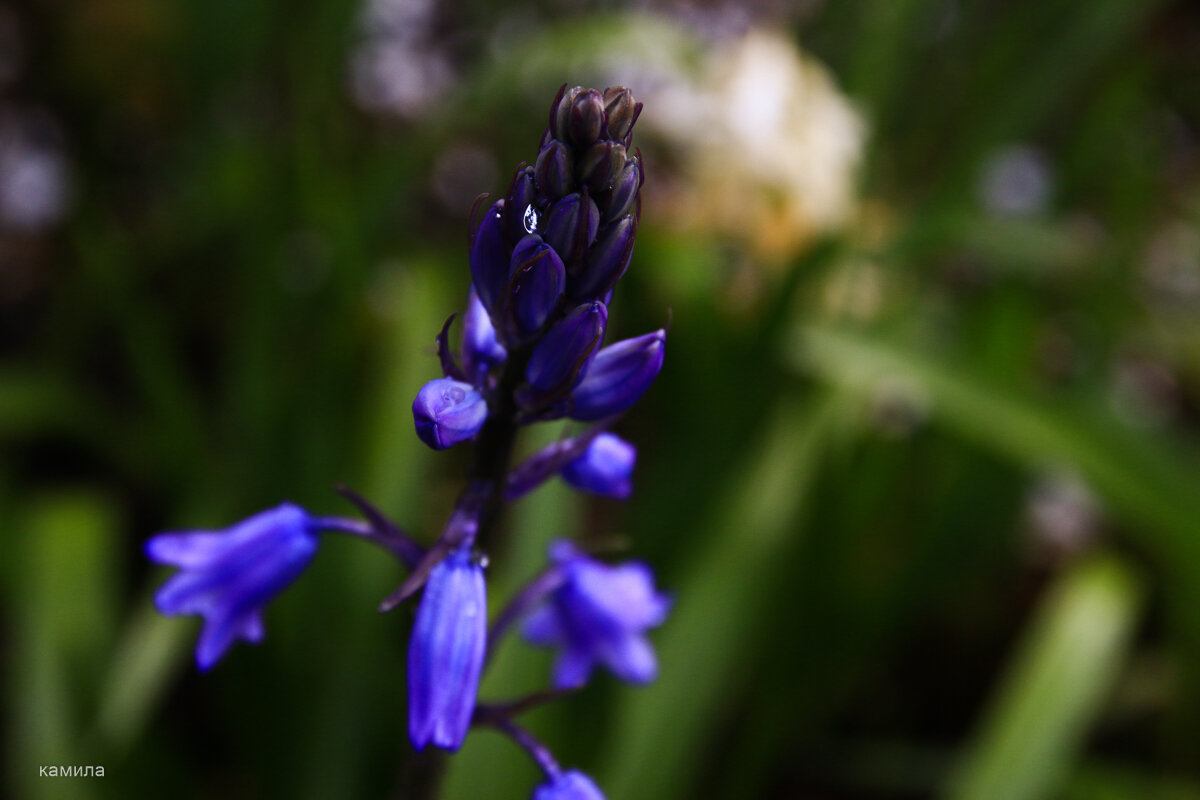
(447, 412)
(490, 257)
(228, 576)
(599, 615)
(605, 468)
(565, 350)
(571, 785)
(481, 352)
(538, 282)
(445, 655)
(618, 376)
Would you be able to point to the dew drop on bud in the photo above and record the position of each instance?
(531, 219)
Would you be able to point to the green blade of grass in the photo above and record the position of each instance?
(1054, 687)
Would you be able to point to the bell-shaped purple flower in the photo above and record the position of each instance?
(490, 258)
(445, 654)
(563, 353)
(599, 614)
(604, 468)
(481, 351)
(447, 412)
(572, 785)
(618, 376)
(227, 576)
(538, 282)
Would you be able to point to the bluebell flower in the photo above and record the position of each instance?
(570, 785)
(599, 614)
(604, 468)
(446, 653)
(227, 576)
(447, 412)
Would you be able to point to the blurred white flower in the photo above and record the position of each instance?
(397, 69)
(771, 144)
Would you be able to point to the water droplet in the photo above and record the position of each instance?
(531, 219)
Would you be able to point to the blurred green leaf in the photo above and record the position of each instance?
(659, 729)
(1055, 687)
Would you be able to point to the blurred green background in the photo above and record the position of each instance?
(922, 469)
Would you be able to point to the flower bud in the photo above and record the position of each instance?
(621, 111)
(490, 257)
(445, 654)
(572, 785)
(447, 412)
(586, 118)
(553, 170)
(563, 353)
(618, 376)
(624, 191)
(601, 165)
(560, 112)
(605, 468)
(538, 282)
(481, 352)
(520, 215)
(571, 228)
(606, 261)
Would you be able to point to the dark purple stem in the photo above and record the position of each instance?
(537, 751)
(395, 542)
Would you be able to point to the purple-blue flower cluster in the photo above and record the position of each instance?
(544, 261)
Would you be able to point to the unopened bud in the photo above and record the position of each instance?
(586, 118)
(618, 376)
(601, 165)
(553, 170)
(621, 111)
(564, 352)
(605, 261)
(538, 281)
(571, 228)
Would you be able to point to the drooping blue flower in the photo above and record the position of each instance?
(446, 652)
(599, 614)
(572, 785)
(605, 468)
(447, 412)
(227, 576)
